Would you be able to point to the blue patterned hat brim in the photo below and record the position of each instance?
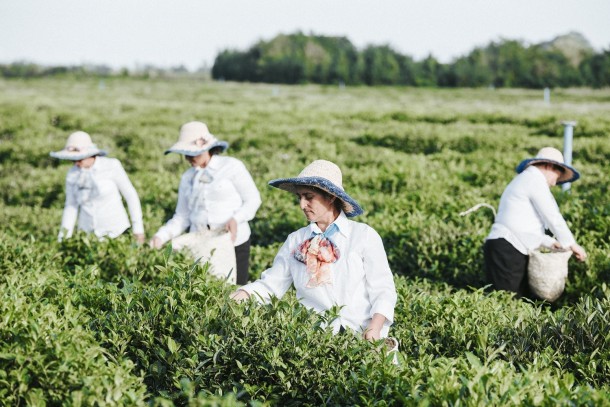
(194, 153)
(526, 163)
(66, 155)
(350, 206)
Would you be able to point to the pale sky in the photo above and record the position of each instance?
(169, 33)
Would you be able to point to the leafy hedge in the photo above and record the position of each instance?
(88, 322)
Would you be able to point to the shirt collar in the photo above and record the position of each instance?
(214, 163)
(342, 223)
(535, 170)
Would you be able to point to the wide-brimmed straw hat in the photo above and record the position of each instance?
(326, 176)
(552, 156)
(195, 138)
(78, 146)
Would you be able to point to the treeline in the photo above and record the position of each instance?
(27, 70)
(31, 70)
(300, 58)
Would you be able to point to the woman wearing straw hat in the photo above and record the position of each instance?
(94, 186)
(217, 192)
(333, 260)
(527, 208)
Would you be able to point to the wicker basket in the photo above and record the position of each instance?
(547, 271)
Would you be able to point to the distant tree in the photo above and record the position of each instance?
(470, 71)
(428, 71)
(595, 69)
(237, 66)
(381, 66)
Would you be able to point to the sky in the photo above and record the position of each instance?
(170, 33)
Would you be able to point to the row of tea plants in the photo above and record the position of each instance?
(85, 322)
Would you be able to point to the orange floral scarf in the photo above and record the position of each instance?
(318, 252)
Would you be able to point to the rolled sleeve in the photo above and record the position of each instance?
(246, 188)
(546, 206)
(131, 197)
(70, 213)
(379, 279)
(274, 281)
(180, 221)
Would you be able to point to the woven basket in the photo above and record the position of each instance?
(212, 246)
(547, 272)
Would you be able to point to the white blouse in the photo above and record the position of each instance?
(209, 197)
(93, 195)
(527, 208)
(362, 282)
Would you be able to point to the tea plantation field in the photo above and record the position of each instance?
(111, 323)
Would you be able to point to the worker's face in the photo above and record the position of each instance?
(552, 173)
(315, 205)
(200, 160)
(85, 162)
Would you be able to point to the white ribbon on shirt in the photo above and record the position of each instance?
(197, 205)
(86, 187)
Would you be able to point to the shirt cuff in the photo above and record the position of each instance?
(137, 229)
(162, 236)
(567, 243)
(548, 241)
(385, 308)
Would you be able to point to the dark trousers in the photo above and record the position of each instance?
(506, 267)
(242, 258)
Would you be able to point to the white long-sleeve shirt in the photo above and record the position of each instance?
(93, 195)
(362, 281)
(211, 196)
(527, 208)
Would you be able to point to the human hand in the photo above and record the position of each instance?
(556, 245)
(155, 242)
(140, 238)
(372, 334)
(579, 252)
(231, 227)
(239, 295)
(373, 331)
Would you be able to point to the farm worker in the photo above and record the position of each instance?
(94, 186)
(216, 192)
(527, 208)
(333, 260)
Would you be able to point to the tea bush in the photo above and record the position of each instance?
(88, 322)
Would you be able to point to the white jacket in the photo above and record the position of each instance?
(211, 196)
(94, 196)
(527, 208)
(362, 282)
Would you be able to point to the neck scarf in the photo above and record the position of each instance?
(201, 178)
(85, 185)
(318, 252)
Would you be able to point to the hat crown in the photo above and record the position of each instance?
(79, 140)
(324, 169)
(192, 131)
(550, 153)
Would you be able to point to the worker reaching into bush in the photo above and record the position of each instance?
(94, 186)
(333, 261)
(527, 207)
(216, 193)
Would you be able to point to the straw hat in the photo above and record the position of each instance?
(326, 176)
(552, 156)
(195, 138)
(78, 146)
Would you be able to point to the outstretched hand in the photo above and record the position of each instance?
(239, 295)
(373, 331)
(579, 252)
(155, 243)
